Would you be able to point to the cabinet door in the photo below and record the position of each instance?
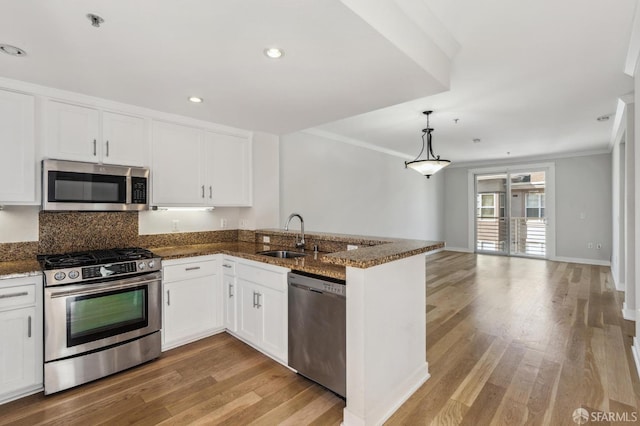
(17, 159)
(124, 140)
(228, 169)
(18, 349)
(72, 132)
(230, 291)
(273, 308)
(177, 170)
(249, 316)
(190, 310)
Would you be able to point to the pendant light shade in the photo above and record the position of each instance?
(432, 164)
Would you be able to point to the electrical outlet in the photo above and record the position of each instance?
(351, 247)
(589, 245)
(266, 239)
(175, 225)
(243, 223)
(223, 223)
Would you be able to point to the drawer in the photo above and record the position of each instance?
(271, 279)
(16, 297)
(228, 267)
(185, 271)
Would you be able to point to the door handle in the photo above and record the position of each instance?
(210, 191)
(254, 299)
(29, 327)
(202, 191)
(258, 305)
(168, 297)
(230, 291)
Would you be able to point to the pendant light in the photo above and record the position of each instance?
(433, 163)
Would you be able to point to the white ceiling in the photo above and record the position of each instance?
(527, 78)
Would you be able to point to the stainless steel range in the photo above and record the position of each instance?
(102, 314)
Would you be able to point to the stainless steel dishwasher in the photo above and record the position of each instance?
(317, 329)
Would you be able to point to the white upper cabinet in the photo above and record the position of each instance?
(124, 139)
(229, 171)
(17, 148)
(80, 133)
(177, 169)
(194, 167)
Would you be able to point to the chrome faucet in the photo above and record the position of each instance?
(300, 243)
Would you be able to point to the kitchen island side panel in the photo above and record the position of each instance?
(386, 338)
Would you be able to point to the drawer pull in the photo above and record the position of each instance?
(10, 295)
(29, 327)
(193, 268)
(227, 266)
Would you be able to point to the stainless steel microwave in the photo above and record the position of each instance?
(77, 186)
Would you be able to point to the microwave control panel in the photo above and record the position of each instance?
(138, 190)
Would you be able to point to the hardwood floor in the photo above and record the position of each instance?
(509, 341)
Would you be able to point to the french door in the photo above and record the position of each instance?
(511, 213)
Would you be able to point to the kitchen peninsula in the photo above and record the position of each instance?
(386, 335)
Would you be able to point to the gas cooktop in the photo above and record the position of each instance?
(79, 267)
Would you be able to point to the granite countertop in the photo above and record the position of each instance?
(371, 251)
(19, 268)
(311, 263)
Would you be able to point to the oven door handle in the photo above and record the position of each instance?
(99, 288)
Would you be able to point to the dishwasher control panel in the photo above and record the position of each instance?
(317, 283)
(333, 288)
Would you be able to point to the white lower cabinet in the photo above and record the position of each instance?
(192, 305)
(262, 307)
(20, 337)
(230, 289)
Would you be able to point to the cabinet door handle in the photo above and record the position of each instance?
(202, 191)
(10, 295)
(192, 268)
(210, 191)
(168, 297)
(94, 148)
(254, 299)
(107, 148)
(230, 290)
(258, 305)
(29, 327)
(226, 266)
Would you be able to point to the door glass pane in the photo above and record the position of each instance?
(491, 223)
(527, 223)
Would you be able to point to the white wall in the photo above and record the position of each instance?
(583, 184)
(19, 223)
(265, 212)
(342, 188)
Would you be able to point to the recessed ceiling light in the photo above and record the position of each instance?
(12, 50)
(195, 99)
(603, 118)
(273, 52)
(476, 140)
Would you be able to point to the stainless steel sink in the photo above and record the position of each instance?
(282, 254)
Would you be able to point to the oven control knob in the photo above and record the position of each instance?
(151, 264)
(59, 276)
(74, 274)
(141, 266)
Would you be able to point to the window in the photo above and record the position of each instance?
(487, 207)
(534, 202)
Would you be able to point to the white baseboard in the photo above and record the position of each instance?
(460, 249)
(397, 397)
(595, 262)
(628, 314)
(620, 286)
(636, 356)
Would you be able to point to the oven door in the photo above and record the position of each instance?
(85, 317)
